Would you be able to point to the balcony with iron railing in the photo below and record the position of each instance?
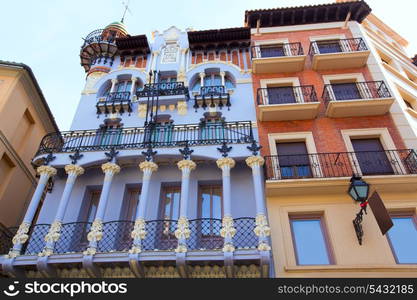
(139, 137)
(287, 103)
(357, 99)
(394, 169)
(211, 96)
(168, 92)
(338, 54)
(115, 102)
(277, 58)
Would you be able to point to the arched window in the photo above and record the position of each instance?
(213, 79)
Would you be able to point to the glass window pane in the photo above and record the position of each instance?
(176, 205)
(205, 204)
(309, 242)
(217, 203)
(217, 80)
(403, 237)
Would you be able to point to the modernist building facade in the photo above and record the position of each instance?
(160, 174)
(25, 118)
(326, 110)
(180, 146)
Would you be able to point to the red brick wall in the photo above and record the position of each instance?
(326, 131)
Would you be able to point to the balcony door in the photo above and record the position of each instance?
(293, 160)
(108, 136)
(281, 95)
(213, 130)
(332, 46)
(346, 91)
(169, 214)
(371, 157)
(127, 218)
(272, 51)
(210, 214)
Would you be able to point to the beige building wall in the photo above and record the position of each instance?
(24, 121)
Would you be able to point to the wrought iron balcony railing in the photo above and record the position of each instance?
(342, 164)
(355, 91)
(97, 36)
(114, 102)
(211, 96)
(164, 89)
(337, 46)
(205, 234)
(286, 95)
(139, 137)
(278, 50)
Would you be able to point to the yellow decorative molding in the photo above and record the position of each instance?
(148, 166)
(142, 110)
(96, 231)
(228, 230)
(262, 229)
(135, 250)
(225, 161)
(46, 252)
(181, 249)
(182, 231)
(228, 248)
(182, 108)
(74, 169)
(139, 231)
(110, 167)
(21, 235)
(252, 161)
(171, 107)
(48, 170)
(90, 251)
(186, 163)
(264, 247)
(54, 232)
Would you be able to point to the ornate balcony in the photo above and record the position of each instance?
(212, 96)
(389, 170)
(357, 99)
(138, 137)
(279, 58)
(287, 103)
(338, 54)
(169, 92)
(117, 102)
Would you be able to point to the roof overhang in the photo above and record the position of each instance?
(219, 38)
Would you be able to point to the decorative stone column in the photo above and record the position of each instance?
(222, 75)
(181, 74)
(202, 75)
(54, 232)
(155, 55)
(113, 85)
(228, 230)
(132, 88)
(262, 229)
(139, 230)
(183, 231)
(21, 235)
(96, 232)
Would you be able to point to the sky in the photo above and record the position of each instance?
(47, 34)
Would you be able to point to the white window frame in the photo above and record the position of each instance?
(284, 42)
(292, 81)
(322, 38)
(306, 137)
(357, 77)
(384, 137)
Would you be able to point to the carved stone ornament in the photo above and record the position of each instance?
(262, 229)
(96, 231)
(142, 110)
(264, 247)
(182, 108)
(228, 247)
(54, 232)
(185, 163)
(48, 170)
(226, 161)
(255, 160)
(110, 167)
(139, 231)
(21, 235)
(181, 248)
(90, 251)
(182, 231)
(74, 169)
(46, 252)
(135, 250)
(148, 166)
(228, 230)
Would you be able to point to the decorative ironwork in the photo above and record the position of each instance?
(36, 241)
(50, 157)
(341, 164)
(212, 96)
(186, 152)
(149, 154)
(139, 137)
(116, 102)
(76, 157)
(286, 95)
(277, 50)
(164, 89)
(224, 150)
(254, 148)
(357, 222)
(111, 154)
(335, 46)
(73, 238)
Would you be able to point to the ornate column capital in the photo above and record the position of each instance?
(47, 170)
(202, 74)
(134, 79)
(186, 163)
(148, 166)
(222, 73)
(225, 161)
(74, 169)
(114, 80)
(257, 160)
(110, 167)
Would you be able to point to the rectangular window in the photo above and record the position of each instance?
(272, 51)
(403, 238)
(371, 157)
(293, 160)
(332, 46)
(346, 91)
(130, 204)
(93, 205)
(169, 213)
(309, 240)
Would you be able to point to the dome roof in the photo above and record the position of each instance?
(119, 26)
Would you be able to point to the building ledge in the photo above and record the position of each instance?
(279, 64)
(340, 60)
(358, 108)
(288, 112)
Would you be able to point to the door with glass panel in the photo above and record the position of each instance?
(210, 215)
(293, 160)
(170, 212)
(272, 51)
(83, 226)
(371, 157)
(346, 91)
(281, 95)
(331, 46)
(127, 218)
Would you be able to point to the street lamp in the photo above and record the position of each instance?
(358, 189)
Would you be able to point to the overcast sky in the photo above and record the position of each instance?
(46, 35)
